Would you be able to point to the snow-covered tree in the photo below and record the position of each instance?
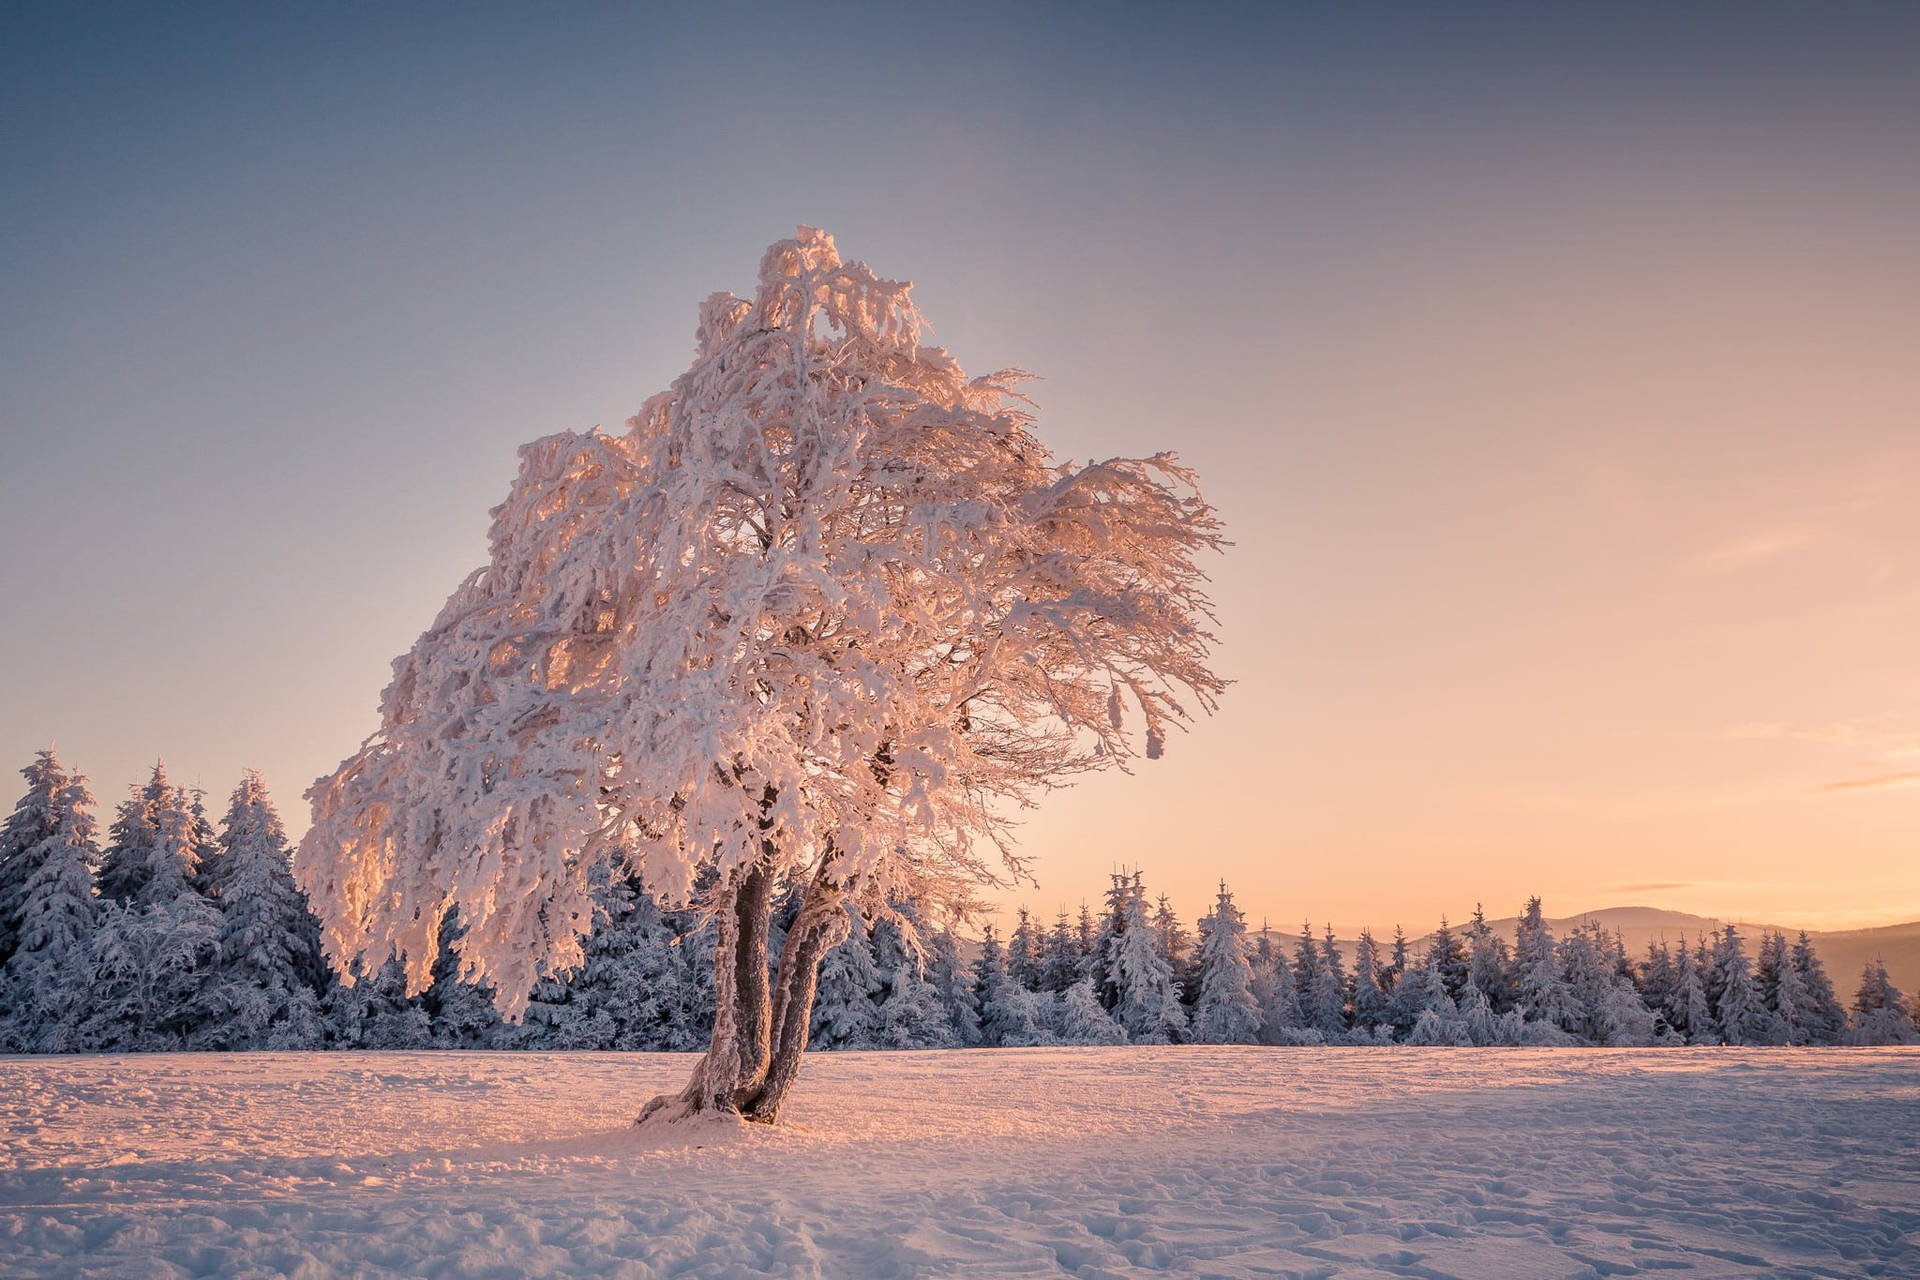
(1024, 947)
(1689, 1012)
(1824, 1019)
(151, 971)
(912, 1015)
(955, 984)
(1083, 1021)
(1365, 996)
(1544, 996)
(1227, 1012)
(1330, 991)
(31, 832)
(1064, 964)
(1450, 954)
(1148, 999)
(1273, 991)
(1782, 992)
(828, 612)
(1737, 1008)
(54, 921)
(266, 985)
(844, 1014)
(1490, 964)
(1881, 1014)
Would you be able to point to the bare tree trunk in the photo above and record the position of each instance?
(735, 1062)
(754, 1057)
(823, 924)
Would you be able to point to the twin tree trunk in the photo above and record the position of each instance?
(759, 1028)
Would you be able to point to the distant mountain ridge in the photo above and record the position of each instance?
(1843, 951)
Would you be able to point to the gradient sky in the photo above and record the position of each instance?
(1556, 370)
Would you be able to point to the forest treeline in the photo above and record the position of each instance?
(179, 933)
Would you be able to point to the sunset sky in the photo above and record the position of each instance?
(1555, 370)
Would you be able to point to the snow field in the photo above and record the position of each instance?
(1045, 1162)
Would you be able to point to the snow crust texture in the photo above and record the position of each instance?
(1045, 1162)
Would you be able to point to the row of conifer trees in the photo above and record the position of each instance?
(180, 933)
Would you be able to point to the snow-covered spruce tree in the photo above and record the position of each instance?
(1024, 952)
(1824, 1019)
(1227, 1012)
(1688, 1011)
(1881, 1014)
(265, 992)
(1330, 991)
(828, 612)
(1010, 1016)
(1083, 1021)
(1365, 996)
(1450, 954)
(1148, 999)
(1544, 996)
(43, 978)
(1742, 1017)
(1063, 962)
(1781, 991)
(1491, 964)
(152, 960)
(951, 978)
(844, 1013)
(30, 833)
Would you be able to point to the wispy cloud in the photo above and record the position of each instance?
(1883, 782)
(1756, 549)
(1654, 887)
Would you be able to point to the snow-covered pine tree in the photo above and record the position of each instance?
(1450, 954)
(1544, 996)
(209, 870)
(152, 965)
(1148, 999)
(133, 841)
(1227, 1012)
(1024, 961)
(1881, 1014)
(1273, 991)
(460, 1010)
(30, 833)
(375, 1012)
(828, 612)
(1306, 973)
(954, 982)
(1408, 996)
(54, 921)
(1781, 991)
(844, 1013)
(1438, 1021)
(1742, 1017)
(912, 1016)
(1086, 937)
(1177, 946)
(1365, 996)
(266, 983)
(1122, 888)
(1688, 1011)
(1330, 991)
(1655, 980)
(1824, 1019)
(1490, 964)
(1063, 962)
(1083, 1021)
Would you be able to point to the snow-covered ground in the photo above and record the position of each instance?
(1218, 1162)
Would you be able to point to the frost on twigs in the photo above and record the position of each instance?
(826, 613)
